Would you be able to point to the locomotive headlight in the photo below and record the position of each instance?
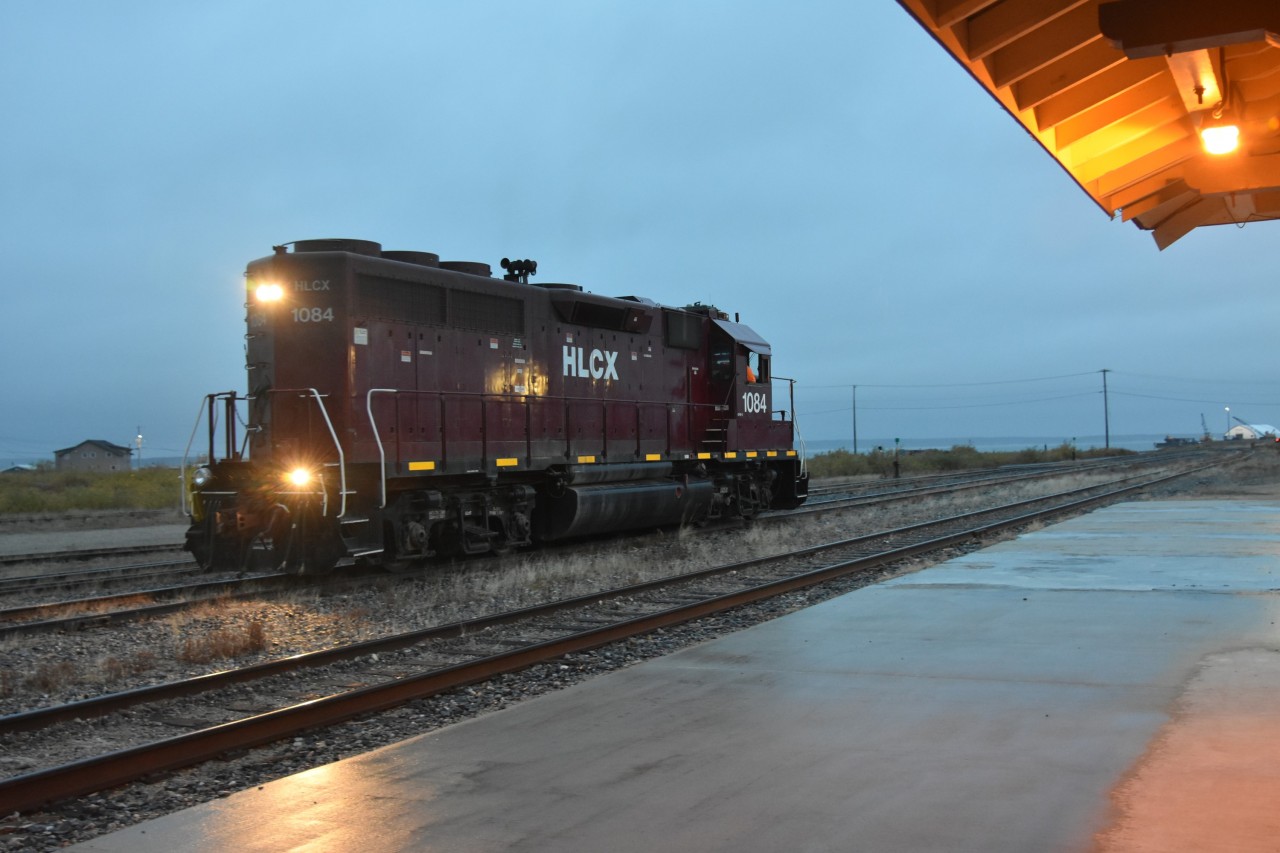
(201, 476)
(269, 292)
(299, 477)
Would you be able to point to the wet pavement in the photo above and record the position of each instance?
(1008, 700)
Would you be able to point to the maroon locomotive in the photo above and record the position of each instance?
(400, 407)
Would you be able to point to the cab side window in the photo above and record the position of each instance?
(721, 364)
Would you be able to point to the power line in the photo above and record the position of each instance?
(1217, 402)
(1196, 379)
(959, 384)
(961, 406)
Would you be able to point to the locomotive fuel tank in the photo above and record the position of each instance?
(590, 510)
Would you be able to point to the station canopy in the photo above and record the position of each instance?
(1122, 93)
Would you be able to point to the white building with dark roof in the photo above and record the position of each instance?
(93, 455)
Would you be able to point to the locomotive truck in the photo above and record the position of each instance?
(400, 408)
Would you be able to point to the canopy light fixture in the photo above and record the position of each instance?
(1219, 135)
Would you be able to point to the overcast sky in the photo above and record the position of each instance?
(823, 169)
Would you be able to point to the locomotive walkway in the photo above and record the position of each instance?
(1047, 693)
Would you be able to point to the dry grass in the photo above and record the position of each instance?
(357, 621)
(114, 668)
(449, 595)
(51, 676)
(223, 643)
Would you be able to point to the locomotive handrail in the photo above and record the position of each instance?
(382, 454)
(528, 401)
(188, 505)
(796, 438)
(555, 398)
(342, 459)
(333, 434)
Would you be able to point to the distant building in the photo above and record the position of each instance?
(18, 469)
(1249, 432)
(93, 455)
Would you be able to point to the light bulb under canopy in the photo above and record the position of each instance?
(1219, 134)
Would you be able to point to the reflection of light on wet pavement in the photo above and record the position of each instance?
(1210, 779)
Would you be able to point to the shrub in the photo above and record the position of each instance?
(223, 643)
(114, 668)
(59, 491)
(51, 676)
(961, 457)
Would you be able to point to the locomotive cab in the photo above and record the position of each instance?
(740, 383)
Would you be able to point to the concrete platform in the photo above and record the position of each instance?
(1021, 698)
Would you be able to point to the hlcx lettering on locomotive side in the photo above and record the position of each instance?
(600, 364)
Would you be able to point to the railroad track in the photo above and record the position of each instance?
(83, 555)
(97, 578)
(849, 501)
(80, 613)
(913, 481)
(444, 658)
(885, 491)
(886, 486)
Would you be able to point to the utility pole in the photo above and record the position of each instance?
(855, 420)
(1106, 410)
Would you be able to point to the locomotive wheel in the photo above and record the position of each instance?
(407, 556)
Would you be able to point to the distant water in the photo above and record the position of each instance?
(1083, 442)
